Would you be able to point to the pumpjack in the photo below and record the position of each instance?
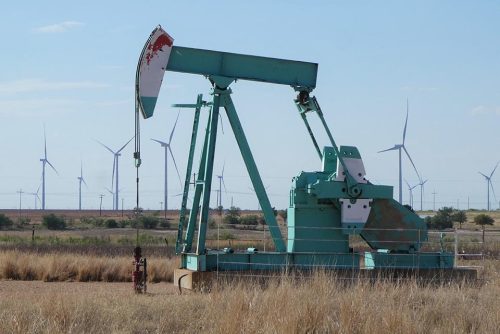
(326, 207)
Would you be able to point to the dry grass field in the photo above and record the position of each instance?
(77, 281)
(318, 305)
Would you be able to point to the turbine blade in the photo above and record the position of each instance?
(52, 167)
(223, 166)
(110, 191)
(159, 142)
(493, 190)
(494, 169)
(113, 175)
(390, 149)
(175, 164)
(45, 141)
(105, 146)
(406, 122)
(173, 129)
(409, 187)
(408, 154)
(38, 189)
(83, 180)
(224, 184)
(487, 178)
(125, 145)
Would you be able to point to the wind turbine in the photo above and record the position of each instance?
(221, 183)
(114, 177)
(168, 148)
(400, 147)
(37, 198)
(421, 184)
(410, 188)
(45, 161)
(80, 180)
(488, 184)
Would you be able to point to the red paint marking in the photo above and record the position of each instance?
(157, 45)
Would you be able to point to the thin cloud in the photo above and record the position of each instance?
(58, 27)
(41, 85)
(482, 110)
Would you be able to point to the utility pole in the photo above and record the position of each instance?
(434, 201)
(458, 204)
(468, 203)
(122, 207)
(20, 192)
(100, 205)
(164, 210)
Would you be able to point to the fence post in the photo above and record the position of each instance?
(482, 246)
(456, 246)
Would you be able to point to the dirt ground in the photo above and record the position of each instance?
(27, 289)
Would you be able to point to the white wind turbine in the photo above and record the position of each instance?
(114, 177)
(45, 161)
(489, 184)
(410, 188)
(37, 198)
(168, 149)
(421, 184)
(221, 183)
(400, 147)
(80, 180)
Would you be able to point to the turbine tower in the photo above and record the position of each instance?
(421, 184)
(488, 184)
(168, 149)
(400, 147)
(80, 180)
(114, 177)
(410, 188)
(221, 183)
(45, 161)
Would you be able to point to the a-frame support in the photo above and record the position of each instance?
(222, 98)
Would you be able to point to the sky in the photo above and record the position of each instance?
(72, 70)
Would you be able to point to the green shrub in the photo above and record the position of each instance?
(53, 222)
(232, 216)
(483, 219)
(146, 222)
(111, 223)
(5, 222)
(250, 220)
(441, 220)
(459, 217)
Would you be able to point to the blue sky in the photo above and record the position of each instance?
(72, 68)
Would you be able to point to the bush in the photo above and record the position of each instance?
(53, 222)
(251, 220)
(146, 222)
(441, 220)
(483, 219)
(111, 223)
(5, 222)
(232, 216)
(459, 217)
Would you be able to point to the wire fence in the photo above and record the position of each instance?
(469, 249)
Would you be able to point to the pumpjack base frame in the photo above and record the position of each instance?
(215, 260)
(203, 281)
